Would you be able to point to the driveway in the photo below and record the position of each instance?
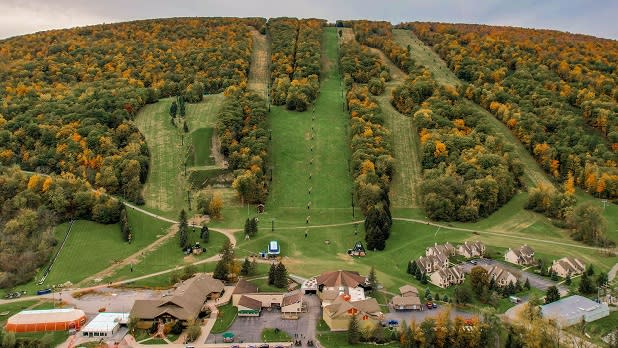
(535, 280)
(249, 329)
(419, 316)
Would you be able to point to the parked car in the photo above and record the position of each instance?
(264, 345)
(429, 305)
(434, 305)
(235, 346)
(473, 262)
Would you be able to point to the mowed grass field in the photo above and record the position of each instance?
(92, 247)
(165, 190)
(295, 156)
(201, 139)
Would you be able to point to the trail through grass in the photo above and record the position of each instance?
(404, 192)
(259, 71)
(425, 56)
(313, 171)
(165, 190)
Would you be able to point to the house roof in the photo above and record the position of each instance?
(341, 307)
(406, 300)
(57, 315)
(340, 278)
(500, 274)
(407, 289)
(251, 303)
(291, 299)
(572, 307)
(244, 287)
(185, 303)
(526, 250)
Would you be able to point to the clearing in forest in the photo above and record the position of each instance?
(259, 71)
(425, 56)
(404, 192)
(166, 187)
(310, 149)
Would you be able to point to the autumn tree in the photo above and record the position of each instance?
(588, 224)
(183, 238)
(479, 280)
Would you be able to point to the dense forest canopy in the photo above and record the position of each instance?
(557, 92)
(295, 61)
(68, 96)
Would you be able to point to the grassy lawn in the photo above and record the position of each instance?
(165, 188)
(330, 339)
(155, 341)
(53, 337)
(13, 308)
(169, 255)
(330, 181)
(227, 315)
(78, 261)
(202, 143)
(263, 286)
(275, 335)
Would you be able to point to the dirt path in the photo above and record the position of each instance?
(404, 191)
(259, 72)
(612, 273)
(425, 56)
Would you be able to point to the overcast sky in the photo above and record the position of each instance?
(596, 18)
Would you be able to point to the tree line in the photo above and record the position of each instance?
(242, 130)
(31, 206)
(378, 34)
(295, 61)
(360, 65)
(549, 88)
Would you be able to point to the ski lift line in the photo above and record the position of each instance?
(53, 260)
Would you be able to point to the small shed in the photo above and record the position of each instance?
(273, 248)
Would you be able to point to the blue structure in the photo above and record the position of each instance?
(273, 248)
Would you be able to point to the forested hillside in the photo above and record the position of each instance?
(295, 69)
(468, 172)
(556, 91)
(68, 99)
(68, 96)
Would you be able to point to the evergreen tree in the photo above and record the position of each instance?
(552, 294)
(353, 331)
(182, 108)
(281, 276)
(254, 226)
(412, 267)
(590, 270)
(601, 279)
(220, 271)
(183, 238)
(567, 280)
(271, 274)
(185, 128)
(373, 281)
(246, 267)
(527, 284)
(585, 284)
(553, 275)
(247, 228)
(173, 109)
(205, 234)
(418, 275)
(253, 269)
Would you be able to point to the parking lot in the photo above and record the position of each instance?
(419, 316)
(249, 329)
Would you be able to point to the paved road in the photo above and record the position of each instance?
(612, 273)
(249, 329)
(535, 280)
